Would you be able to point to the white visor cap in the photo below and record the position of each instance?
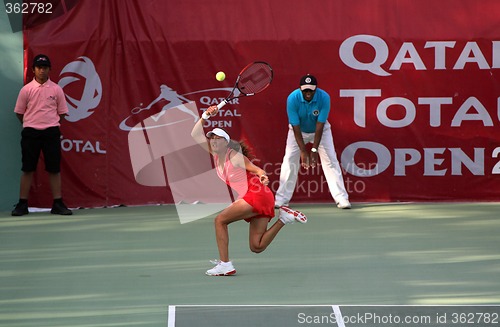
(219, 132)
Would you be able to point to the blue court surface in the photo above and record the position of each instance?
(139, 266)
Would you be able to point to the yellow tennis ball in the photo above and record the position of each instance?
(220, 76)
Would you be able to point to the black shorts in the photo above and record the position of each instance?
(48, 141)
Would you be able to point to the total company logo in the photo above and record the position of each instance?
(81, 102)
(81, 70)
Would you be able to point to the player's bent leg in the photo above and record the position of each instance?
(259, 236)
(238, 210)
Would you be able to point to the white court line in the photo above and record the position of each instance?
(171, 316)
(338, 316)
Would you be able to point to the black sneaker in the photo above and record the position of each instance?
(59, 208)
(21, 209)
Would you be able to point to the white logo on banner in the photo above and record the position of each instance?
(173, 100)
(166, 94)
(82, 69)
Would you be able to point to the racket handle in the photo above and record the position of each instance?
(222, 104)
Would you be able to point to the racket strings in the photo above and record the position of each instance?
(255, 78)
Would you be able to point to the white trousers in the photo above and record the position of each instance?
(329, 164)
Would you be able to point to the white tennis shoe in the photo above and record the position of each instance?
(222, 269)
(344, 204)
(277, 205)
(290, 216)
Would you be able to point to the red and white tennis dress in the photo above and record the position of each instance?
(247, 186)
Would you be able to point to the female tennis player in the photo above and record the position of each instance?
(255, 202)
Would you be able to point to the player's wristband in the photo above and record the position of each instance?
(314, 150)
(205, 116)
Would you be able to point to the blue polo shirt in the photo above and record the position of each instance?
(306, 114)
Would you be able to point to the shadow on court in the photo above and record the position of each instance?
(127, 266)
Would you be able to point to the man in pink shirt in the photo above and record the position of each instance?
(40, 106)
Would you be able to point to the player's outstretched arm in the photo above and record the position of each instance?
(197, 133)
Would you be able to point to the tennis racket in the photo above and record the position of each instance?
(254, 78)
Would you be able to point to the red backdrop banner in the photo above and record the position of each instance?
(414, 86)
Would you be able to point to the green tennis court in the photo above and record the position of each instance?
(333, 315)
(128, 266)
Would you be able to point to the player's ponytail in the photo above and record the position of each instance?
(241, 147)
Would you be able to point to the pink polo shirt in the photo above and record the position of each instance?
(41, 104)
